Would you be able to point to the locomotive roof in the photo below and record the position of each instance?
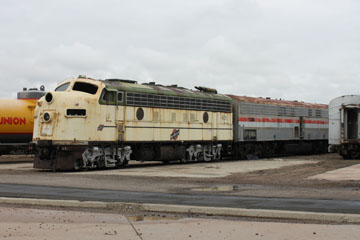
(152, 88)
(278, 102)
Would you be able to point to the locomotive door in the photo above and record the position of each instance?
(299, 130)
(119, 116)
(214, 125)
(108, 115)
(301, 126)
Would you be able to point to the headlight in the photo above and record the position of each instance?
(46, 117)
(48, 97)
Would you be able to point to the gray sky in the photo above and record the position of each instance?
(305, 50)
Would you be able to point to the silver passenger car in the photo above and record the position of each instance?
(344, 131)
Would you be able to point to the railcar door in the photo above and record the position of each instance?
(351, 123)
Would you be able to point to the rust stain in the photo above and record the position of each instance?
(277, 102)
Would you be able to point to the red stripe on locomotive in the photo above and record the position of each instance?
(280, 120)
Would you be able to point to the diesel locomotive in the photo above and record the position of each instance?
(267, 127)
(88, 123)
(17, 120)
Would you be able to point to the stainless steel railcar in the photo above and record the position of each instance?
(265, 127)
(344, 131)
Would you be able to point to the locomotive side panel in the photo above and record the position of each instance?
(176, 125)
(265, 127)
(156, 113)
(316, 128)
(265, 122)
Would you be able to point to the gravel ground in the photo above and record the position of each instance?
(276, 177)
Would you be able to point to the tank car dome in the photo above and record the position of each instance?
(31, 93)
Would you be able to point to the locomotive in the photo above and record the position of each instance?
(344, 132)
(88, 123)
(17, 120)
(267, 127)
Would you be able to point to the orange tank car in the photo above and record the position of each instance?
(17, 120)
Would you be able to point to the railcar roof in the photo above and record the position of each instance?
(162, 90)
(278, 102)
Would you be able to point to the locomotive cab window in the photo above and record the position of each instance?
(85, 87)
(62, 87)
(108, 97)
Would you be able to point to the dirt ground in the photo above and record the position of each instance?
(275, 177)
(299, 176)
(25, 223)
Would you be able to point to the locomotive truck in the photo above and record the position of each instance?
(88, 123)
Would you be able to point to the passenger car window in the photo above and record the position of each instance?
(62, 87)
(85, 87)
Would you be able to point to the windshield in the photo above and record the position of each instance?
(62, 87)
(85, 87)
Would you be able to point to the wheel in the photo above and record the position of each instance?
(123, 164)
(165, 162)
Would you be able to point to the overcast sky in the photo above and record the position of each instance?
(305, 50)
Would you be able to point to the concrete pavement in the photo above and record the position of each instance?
(341, 174)
(212, 211)
(31, 224)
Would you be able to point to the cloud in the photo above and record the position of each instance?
(301, 49)
(77, 56)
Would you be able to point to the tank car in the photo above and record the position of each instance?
(88, 123)
(265, 127)
(344, 131)
(17, 120)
